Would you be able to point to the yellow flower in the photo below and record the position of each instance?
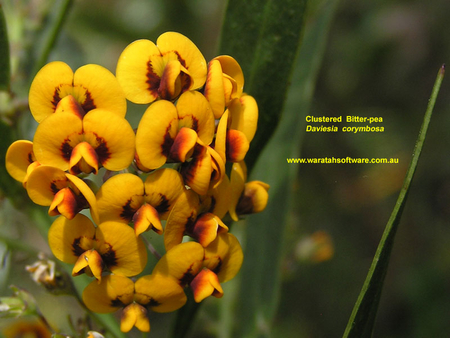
(156, 292)
(125, 198)
(65, 194)
(26, 329)
(68, 141)
(246, 197)
(189, 217)
(20, 160)
(147, 71)
(225, 82)
(111, 246)
(92, 86)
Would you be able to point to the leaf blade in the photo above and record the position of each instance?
(5, 69)
(362, 318)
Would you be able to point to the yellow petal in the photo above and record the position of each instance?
(206, 228)
(55, 138)
(111, 294)
(96, 87)
(237, 145)
(68, 239)
(233, 74)
(85, 191)
(221, 136)
(44, 182)
(155, 134)
(134, 315)
(187, 53)
(197, 172)
(237, 184)
(147, 218)
(69, 104)
(195, 112)
(162, 189)
(214, 91)
(83, 159)
(122, 252)
(182, 262)
(51, 83)
(18, 157)
(217, 167)
(120, 197)
(224, 256)
(183, 145)
(206, 284)
(221, 196)
(64, 203)
(173, 81)
(114, 141)
(244, 115)
(161, 293)
(137, 76)
(254, 198)
(89, 259)
(184, 212)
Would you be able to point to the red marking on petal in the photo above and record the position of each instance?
(153, 80)
(66, 150)
(88, 103)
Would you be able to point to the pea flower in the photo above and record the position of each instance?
(246, 197)
(110, 246)
(225, 82)
(20, 160)
(154, 292)
(149, 71)
(65, 194)
(92, 86)
(125, 198)
(70, 141)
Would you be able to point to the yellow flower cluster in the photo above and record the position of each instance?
(169, 176)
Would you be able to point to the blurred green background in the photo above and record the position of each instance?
(381, 59)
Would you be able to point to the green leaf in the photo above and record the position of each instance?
(264, 238)
(362, 319)
(264, 37)
(5, 68)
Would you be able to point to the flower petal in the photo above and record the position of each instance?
(134, 315)
(206, 228)
(155, 134)
(147, 218)
(224, 256)
(233, 77)
(96, 87)
(194, 111)
(254, 198)
(182, 262)
(84, 159)
(197, 172)
(90, 260)
(114, 142)
(183, 145)
(214, 90)
(187, 53)
(51, 83)
(44, 182)
(237, 184)
(161, 293)
(206, 284)
(120, 197)
(64, 203)
(183, 214)
(55, 138)
(68, 239)
(122, 252)
(237, 145)
(111, 294)
(244, 115)
(136, 74)
(18, 157)
(162, 188)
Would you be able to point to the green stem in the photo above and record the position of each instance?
(362, 319)
(50, 39)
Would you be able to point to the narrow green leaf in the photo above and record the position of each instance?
(264, 37)
(362, 319)
(264, 238)
(5, 68)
